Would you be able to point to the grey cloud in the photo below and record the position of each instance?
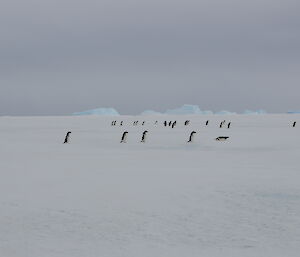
(58, 57)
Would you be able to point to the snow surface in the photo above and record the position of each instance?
(163, 198)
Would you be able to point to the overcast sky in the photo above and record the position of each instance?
(62, 56)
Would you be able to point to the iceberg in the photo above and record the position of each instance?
(99, 111)
(150, 112)
(225, 113)
(255, 112)
(293, 112)
(207, 112)
(187, 109)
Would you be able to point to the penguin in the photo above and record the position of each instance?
(174, 123)
(228, 126)
(191, 137)
(156, 122)
(121, 123)
(124, 137)
(207, 123)
(170, 123)
(112, 123)
(222, 138)
(221, 124)
(294, 124)
(144, 136)
(165, 123)
(143, 123)
(186, 122)
(115, 122)
(67, 137)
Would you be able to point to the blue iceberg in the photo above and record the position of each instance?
(225, 113)
(255, 112)
(150, 112)
(187, 109)
(99, 111)
(293, 112)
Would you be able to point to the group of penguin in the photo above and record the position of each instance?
(135, 123)
(170, 123)
(124, 137)
(223, 123)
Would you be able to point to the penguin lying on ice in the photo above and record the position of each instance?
(222, 138)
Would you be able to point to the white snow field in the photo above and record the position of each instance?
(96, 197)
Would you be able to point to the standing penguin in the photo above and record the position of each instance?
(121, 123)
(191, 137)
(174, 123)
(221, 124)
(207, 123)
(294, 124)
(228, 126)
(170, 123)
(124, 137)
(187, 122)
(165, 123)
(144, 136)
(67, 137)
(143, 123)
